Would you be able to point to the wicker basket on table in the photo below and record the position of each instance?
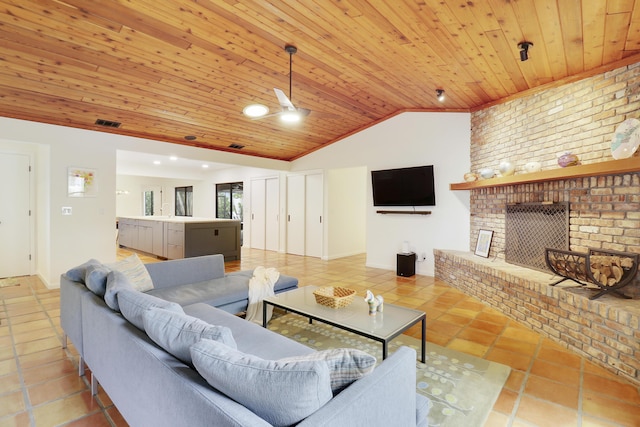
(334, 297)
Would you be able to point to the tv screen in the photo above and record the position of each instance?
(412, 186)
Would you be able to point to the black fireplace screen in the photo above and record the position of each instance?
(530, 228)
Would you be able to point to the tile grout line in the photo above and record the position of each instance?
(23, 386)
(70, 356)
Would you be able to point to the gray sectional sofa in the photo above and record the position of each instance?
(151, 384)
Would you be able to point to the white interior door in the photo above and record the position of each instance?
(313, 215)
(15, 229)
(295, 214)
(272, 208)
(258, 214)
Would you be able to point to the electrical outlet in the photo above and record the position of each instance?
(66, 210)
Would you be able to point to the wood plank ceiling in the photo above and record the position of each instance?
(170, 68)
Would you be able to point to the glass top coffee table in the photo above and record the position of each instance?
(355, 318)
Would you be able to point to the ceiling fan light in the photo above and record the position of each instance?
(290, 116)
(255, 110)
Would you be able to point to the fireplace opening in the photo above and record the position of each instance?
(530, 228)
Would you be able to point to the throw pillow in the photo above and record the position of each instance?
(77, 274)
(282, 393)
(345, 365)
(177, 332)
(134, 304)
(135, 271)
(116, 281)
(96, 278)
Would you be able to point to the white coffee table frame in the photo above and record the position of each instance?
(355, 318)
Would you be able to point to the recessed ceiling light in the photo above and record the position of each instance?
(173, 158)
(157, 162)
(205, 166)
(255, 110)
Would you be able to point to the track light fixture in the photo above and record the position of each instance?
(440, 94)
(524, 50)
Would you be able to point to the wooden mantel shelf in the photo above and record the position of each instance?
(611, 167)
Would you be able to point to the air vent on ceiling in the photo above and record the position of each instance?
(108, 123)
(236, 146)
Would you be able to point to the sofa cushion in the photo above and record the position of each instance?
(77, 274)
(177, 332)
(135, 271)
(116, 281)
(282, 393)
(214, 292)
(217, 292)
(345, 365)
(133, 304)
(96, 278)
(250, 337)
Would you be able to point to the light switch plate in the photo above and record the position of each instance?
(66, 210)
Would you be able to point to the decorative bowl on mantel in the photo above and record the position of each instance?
(470, 176)
(568, 159)
(506, 168)
(487, 173)
(533, 167)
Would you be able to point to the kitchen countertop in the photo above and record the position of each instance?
(179, 219)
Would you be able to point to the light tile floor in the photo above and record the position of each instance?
(548, 386)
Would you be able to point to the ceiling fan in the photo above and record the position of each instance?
(289, 113)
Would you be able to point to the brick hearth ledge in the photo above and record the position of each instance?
(605, 331)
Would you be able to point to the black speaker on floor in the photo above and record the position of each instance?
(406, 264)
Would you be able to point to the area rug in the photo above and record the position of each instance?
(462, 388)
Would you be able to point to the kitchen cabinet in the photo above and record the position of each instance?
(175, 238)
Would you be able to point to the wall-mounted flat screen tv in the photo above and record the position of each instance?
(412, 186)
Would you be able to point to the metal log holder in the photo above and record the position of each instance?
(579, 267)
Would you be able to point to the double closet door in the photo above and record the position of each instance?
(304, 214)
(265, 224)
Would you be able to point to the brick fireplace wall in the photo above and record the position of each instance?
(580, 117)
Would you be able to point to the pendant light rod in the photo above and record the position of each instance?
(290, 49)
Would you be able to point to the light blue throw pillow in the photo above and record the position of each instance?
(116, 281)
(346, 365)
(177, 332)
(282, 393)
(96, 278)
(135, 271)
(134, 304)
(77, 274)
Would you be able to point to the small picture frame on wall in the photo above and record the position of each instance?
(484, 243)
(81, 182)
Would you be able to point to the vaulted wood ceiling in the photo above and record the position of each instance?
(170, 68)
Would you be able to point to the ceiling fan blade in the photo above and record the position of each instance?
(284, 100)
(265, 116)
(304, 111)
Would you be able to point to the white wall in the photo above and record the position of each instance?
(345, 227)
(409, 139)
(131, 203)
(63, 242)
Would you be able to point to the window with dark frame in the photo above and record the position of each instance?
(229, 200)
(184, 201)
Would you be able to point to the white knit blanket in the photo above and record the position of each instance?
(261, 286)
